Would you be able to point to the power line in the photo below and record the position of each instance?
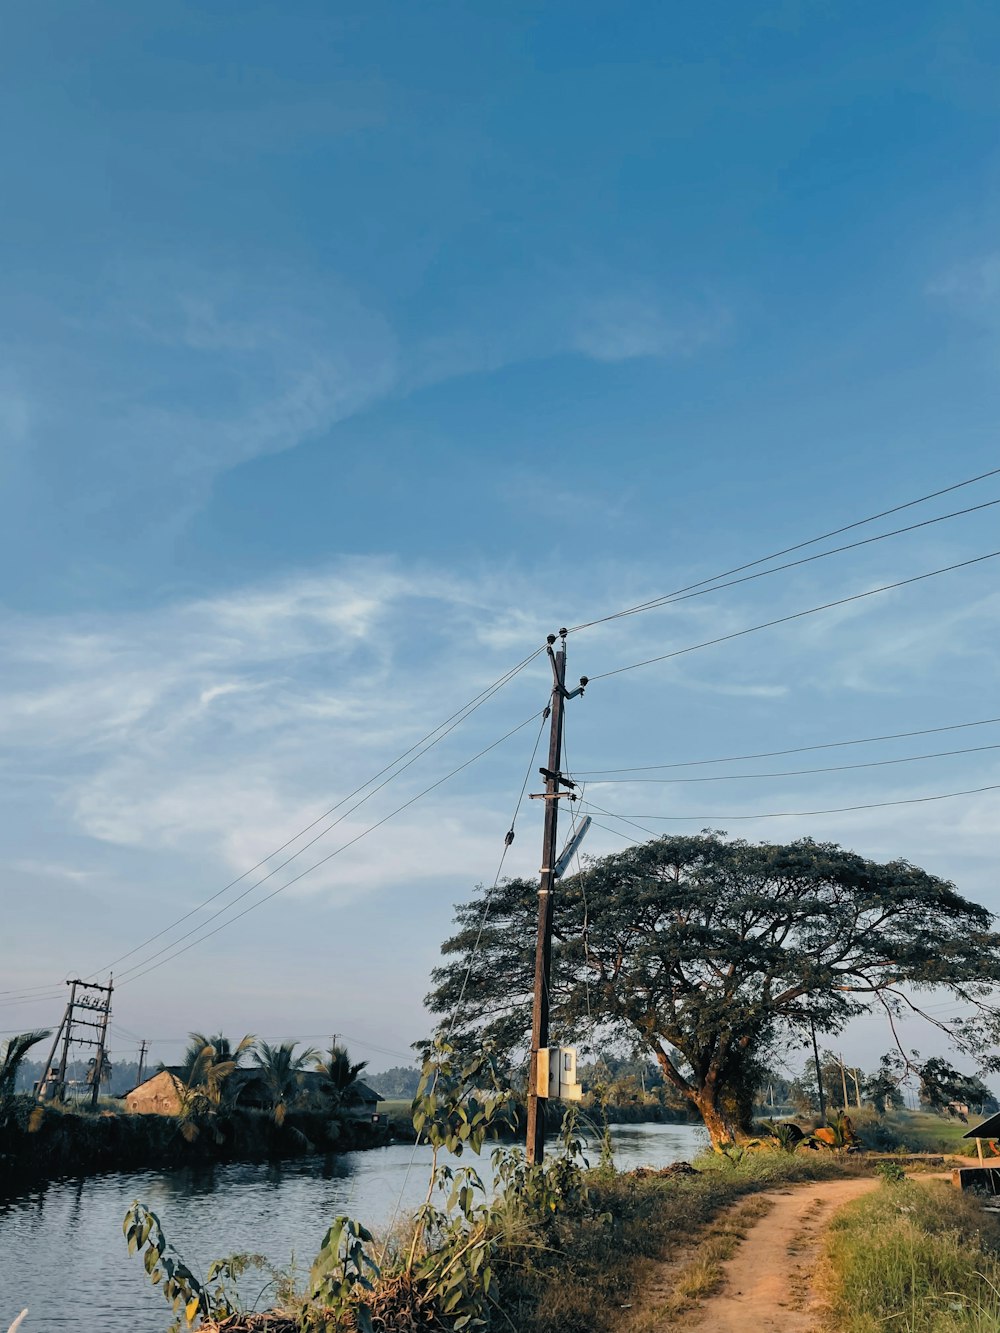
(134, 973)
(789, 814)
(795, 772)
(16, 1002)
(445, 728)
(797, 615)
(788, 550)
(670, 599)
(798, 749)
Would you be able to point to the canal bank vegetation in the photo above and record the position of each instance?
(216, 1105)
(920, 1257)
(557, 1247)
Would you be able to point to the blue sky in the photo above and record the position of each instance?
(348, 350)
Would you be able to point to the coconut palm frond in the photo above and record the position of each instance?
(12, 1052)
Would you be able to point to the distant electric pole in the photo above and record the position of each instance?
(843, 1080)
(143, 1047)
(819, 1072)
(53, 1081)
(537, 1095)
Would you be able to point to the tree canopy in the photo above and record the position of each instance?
(708, 952)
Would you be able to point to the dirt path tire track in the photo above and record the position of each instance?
(769, 1281)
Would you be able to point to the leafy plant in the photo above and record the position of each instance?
(338, 1271)
(891, 1173)
(187, 1295)
(785, 1134)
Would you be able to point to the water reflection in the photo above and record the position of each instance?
(62, 1253)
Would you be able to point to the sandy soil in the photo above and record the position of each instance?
(769, 1281)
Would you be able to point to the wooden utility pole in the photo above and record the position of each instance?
(143, 1047)
(537, 1095)
(857, 1089)
(819, 1072)
(60, 1091)
(95, 1091)
(843, 1081)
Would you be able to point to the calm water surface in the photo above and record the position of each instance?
(63, 1255)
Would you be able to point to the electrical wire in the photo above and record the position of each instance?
(796, 615)
(790, 814)
(793, 772)
(788, 550)
(445, 728)
(670, 599)
(798, 749)
(142, 968)
(18, 1002)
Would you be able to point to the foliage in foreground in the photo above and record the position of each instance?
(12, 1053)
(556, 1247)
(914, 1258)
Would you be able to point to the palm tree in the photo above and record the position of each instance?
(339, 1071)
(12, 1052)
(208, 1063)
(281, 1069)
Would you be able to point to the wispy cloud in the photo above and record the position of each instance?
(626, 327)
(972, 288)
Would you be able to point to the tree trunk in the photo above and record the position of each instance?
(725, 1107)
(723, 1117)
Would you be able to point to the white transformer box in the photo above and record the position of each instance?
(557, 1073)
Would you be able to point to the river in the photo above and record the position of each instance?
(62, 1253)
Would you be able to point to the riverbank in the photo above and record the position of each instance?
(63, 1251)
(584, 1264)
(44, 1142)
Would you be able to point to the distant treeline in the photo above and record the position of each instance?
(396, 1084)
(124, 1076)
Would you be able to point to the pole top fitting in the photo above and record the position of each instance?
(563, 633)
(584, 681)
(550, 639)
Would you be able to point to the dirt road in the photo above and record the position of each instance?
(769, 1281)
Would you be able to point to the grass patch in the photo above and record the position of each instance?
(914, 1258)
(589, 1272)
(922, 1131)
(398, 1107)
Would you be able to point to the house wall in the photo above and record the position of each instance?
(159, 1095)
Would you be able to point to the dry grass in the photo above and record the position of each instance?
(683, 1286)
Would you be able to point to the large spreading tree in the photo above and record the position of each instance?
(712, 953)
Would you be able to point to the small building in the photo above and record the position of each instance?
(161, 1094)
(361, 1101)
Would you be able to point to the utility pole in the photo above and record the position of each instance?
(857, 1089)
(53, 1082)
(95, 1091)
(537, 1096)
(143, 1047)
(819, 1072)
(42, 1088)
(843, 1080)
(64, 1058)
